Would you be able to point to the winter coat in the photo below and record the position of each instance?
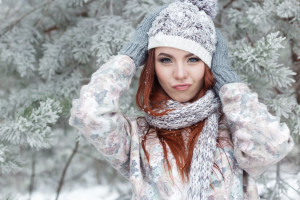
(255, 138)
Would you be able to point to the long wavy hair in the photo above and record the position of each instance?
(151, 98)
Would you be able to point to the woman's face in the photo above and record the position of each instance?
(179, 73)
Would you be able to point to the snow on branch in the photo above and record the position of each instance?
(140, 8)
(289, 9)
(74, 45)
(8, 163)
(17, 49)
(32, 127)
(261, 61)
(113, 32)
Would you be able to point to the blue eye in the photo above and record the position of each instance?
(165, 60)
(194, 59)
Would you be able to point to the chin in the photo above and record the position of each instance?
(184, 97)
(181, 99)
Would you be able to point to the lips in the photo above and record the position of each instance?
(182, 87)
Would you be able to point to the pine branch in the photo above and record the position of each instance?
(32, 177)
(87, 3)
(32, 126)
(279, 180)
(52, 28)
(44, 13)
(275, 190)
(78, 175)
(82, 14)
(289, 186)
(22, 17)
(296, 61)
(249, 39)
(228, 4)
(61, 181)
(111, 8)
(8, 161)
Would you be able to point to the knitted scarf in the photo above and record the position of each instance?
(187, 114)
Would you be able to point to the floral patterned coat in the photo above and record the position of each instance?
(256, 139)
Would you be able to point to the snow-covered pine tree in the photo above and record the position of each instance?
(49, 48)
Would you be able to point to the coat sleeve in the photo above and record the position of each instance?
(260, 140)
(96, 112)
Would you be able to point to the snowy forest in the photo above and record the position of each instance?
(50, 48)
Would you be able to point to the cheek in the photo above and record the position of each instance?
(201, 76)
(198, 73)
(162, 75)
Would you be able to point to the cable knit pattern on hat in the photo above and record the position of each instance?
(209, 6)
(185, 26)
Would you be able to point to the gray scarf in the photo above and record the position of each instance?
(185, 115)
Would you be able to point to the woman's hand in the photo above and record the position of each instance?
(221, 65)
(137, 48)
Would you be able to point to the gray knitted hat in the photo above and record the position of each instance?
(186, 25)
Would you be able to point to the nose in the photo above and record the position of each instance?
(180, 71)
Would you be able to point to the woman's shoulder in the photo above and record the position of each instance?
(146, 132)
(142, 125)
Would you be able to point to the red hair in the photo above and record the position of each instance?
(150, 95)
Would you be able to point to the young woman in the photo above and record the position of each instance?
(204, 134)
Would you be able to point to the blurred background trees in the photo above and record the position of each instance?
(50, 48)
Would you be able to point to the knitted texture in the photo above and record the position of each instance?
(187, 114)
(203, 158)
(136, 49)
(185, 26)
(221, 69)
(210, 7)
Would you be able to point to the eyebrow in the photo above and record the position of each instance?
(170, 56)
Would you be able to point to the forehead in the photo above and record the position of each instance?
(170, 50)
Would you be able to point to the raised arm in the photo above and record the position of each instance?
(96, 112)
(260, 140)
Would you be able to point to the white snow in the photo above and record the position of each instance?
(90, 193)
